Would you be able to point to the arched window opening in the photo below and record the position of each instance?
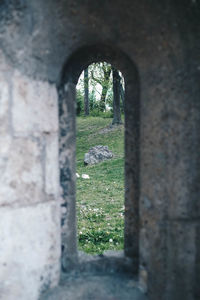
(100, 159)
(77, 63)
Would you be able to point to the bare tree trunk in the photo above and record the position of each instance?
(86, 93)
(105, 88)
(122, 94)
(104, 83)
(116, 98)
(102, 105)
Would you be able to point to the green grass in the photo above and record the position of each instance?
(100, 199)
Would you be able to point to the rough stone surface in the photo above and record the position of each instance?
(29, 250)
(21, 172)
(4, 106)
(51, 165)
(38, 102)
(67, 159)
(110, 262)
(156, 46)
(97, 154)
(29, 185)
(4, 95)
(96, 287)
(29, 169)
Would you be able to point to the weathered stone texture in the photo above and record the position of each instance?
(97, 154)
(29, 170)
(29, 257)
(22, 173)
(183, 253)
(4, 106)
(98, 287)
(4, 95)
(52, 186)
(35, 107)
(67, 162)
(28, 141)
(29, 175)
(161, 40)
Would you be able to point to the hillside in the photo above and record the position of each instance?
(100, 199)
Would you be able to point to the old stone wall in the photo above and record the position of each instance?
(161, 38)
(29, 185)
(67, 161)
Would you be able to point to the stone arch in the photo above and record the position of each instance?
(68, 80)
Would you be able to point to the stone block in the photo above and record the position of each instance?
(21, 177)
(29, 251)
(69, 233)
(35, 107)
(183, 265)
(183, 199)
(169, 253)
(153, 256)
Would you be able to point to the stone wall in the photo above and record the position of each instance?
(29, 185)
(67, 160)
(37, 40)
(70, 75)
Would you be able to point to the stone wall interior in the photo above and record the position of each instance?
(44, 46)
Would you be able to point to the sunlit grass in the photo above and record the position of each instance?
(100, 199)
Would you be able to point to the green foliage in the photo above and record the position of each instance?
(100, 199)
(100, 76)
(100, 90)
(98, 113)
(79, 102)
(109, 99)
(94, 103)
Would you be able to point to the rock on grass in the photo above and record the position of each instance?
(97, 154)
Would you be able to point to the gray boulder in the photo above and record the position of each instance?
(97, 154)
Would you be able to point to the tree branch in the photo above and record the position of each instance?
(95, 79)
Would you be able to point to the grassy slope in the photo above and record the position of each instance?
(100, 199)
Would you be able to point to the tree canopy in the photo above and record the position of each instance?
(95, 90)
